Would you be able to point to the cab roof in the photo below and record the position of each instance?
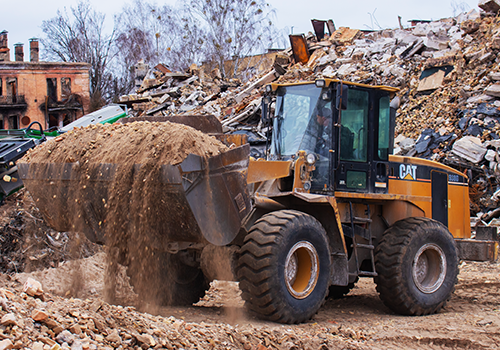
(391, 89)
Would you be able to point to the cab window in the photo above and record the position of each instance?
(383, 128)
(354, 127)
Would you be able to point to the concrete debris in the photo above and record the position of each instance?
(33, 288)
(489, 5)
(6, 344)
(470, 148)
(432, 82)
(123, 327)
(9, 320)
(493, 90)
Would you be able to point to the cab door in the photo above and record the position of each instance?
(362, 149)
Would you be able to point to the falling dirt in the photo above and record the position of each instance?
(129, 209)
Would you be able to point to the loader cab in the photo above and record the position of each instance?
(348, 128)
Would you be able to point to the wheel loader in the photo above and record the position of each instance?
(328, 204)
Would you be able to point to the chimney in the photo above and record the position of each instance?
(19, 52)
(33, 50)
(4, 47)
(3, 39)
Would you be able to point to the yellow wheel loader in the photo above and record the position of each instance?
(329, 204)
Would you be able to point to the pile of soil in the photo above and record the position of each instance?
(130, 143)
(131, 209)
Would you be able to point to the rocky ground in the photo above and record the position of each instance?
(72, 311)
(57, 318)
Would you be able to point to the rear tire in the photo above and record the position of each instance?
(417, 266)
(284, 267)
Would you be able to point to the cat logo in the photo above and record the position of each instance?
(408, 172)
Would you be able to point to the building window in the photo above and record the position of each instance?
(12, 87)
(52, 88)
(13, 122)
(1, 87)
(1, 123)
(65, 88)
(54, 120)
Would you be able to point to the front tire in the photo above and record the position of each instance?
(417, 266)
(284, 266)
(167, 281)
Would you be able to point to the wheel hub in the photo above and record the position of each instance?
(429, 268)
(301, 269)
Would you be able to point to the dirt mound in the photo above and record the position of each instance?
(129, 209)
(135, 143)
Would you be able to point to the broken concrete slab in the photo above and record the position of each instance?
(421, 29)
(489, 5)
(479, 98)
(466, 16)
(431, 82)
(266, 79)
(494, 76)
(344, 35)
(493, 90)
(434, 43)
(413, 49)
(490, 155)
(328, 72)
(469, 148)
(315, 57)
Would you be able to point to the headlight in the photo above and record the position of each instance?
(311, 158)
(320, 83)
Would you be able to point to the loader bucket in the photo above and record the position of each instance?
(201, 199)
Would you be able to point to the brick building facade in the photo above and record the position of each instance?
(52, 93)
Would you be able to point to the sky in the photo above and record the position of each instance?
(23, 19)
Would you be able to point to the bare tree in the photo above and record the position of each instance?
(159, 34)
(201, 30)
(79, 37)
(234, 28)
(458, 8)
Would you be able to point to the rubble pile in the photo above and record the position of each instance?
(32, 318)
(28, 244)
(447, 70)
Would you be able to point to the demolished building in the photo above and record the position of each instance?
(51, 93)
